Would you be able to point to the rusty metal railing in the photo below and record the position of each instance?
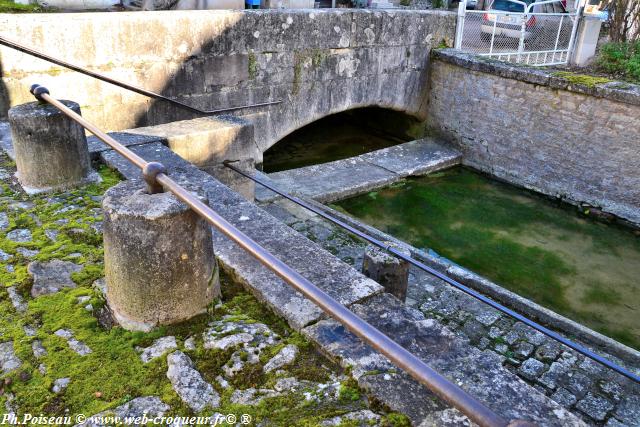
(158, 180)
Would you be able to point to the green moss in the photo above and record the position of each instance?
(581, 79)
(318, 56)
(297, 72)
(113, 373)
(253, 66)
(349, 391)
(77, 241)
(8, 6)
(397, 420)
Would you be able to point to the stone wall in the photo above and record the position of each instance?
(317, 62)
(539, 130)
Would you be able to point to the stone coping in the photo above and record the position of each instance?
(331, 181)
(618, 91)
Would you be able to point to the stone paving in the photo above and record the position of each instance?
(597, 395)
(60, 355)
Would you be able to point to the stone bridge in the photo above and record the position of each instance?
(317, 62)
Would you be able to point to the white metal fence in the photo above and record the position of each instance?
(540, 33)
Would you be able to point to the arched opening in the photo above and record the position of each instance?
(340, 136)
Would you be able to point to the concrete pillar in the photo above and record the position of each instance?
(159, 262)
(50, 149)
(586, 40)
(389, 271)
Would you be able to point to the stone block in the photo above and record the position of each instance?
(388, 270)
(159, 262)
(50, 149)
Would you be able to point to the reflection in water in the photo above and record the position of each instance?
(586, 270)
(332, 138)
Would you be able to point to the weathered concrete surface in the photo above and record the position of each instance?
(388, 270)
(159, 262)
(479, 373)
(339, 280)
(317, 62)
(343, 178)
(206, 142)
(50, 149)
(534, 129)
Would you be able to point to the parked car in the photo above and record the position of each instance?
(506, 19)
(472, 4)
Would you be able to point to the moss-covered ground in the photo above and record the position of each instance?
(543, 250)
(114, 373)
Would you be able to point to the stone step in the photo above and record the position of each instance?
(333, 276)
(336, 180)
(479, 373)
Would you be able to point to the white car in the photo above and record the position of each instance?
(505, 18)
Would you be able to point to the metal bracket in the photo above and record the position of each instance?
(149, 172)
(37, 91)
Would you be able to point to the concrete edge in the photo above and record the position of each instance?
(453, 157)
(617, 91)
(525, 306)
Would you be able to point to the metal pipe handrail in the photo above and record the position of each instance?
(398, 355)
(38, 54)
(477, 295)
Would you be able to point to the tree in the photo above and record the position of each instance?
(624, 20)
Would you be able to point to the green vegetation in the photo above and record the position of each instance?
(8, 6)
(621, 60)
(253, 66)
(76, 239)
(581, 79)
(114, 373)
(545, 251)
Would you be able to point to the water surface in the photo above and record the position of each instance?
(329, 139)
(546, 251)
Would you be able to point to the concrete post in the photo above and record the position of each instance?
(389, 271)
(50, 149)
(586, 40)
(159, 262)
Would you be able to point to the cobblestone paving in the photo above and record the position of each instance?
(599, 396)
(60, 355)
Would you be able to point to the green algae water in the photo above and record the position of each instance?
(545, 251)
(327, 140)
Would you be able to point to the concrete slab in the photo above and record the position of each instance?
(418, 157)
(479, 373)
(338, 279)
(337, 180)
(204, 141)
(126, 138)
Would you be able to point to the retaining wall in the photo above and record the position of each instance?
(317, 62)
(536, 129)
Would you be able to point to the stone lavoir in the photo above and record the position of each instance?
(541, 249)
